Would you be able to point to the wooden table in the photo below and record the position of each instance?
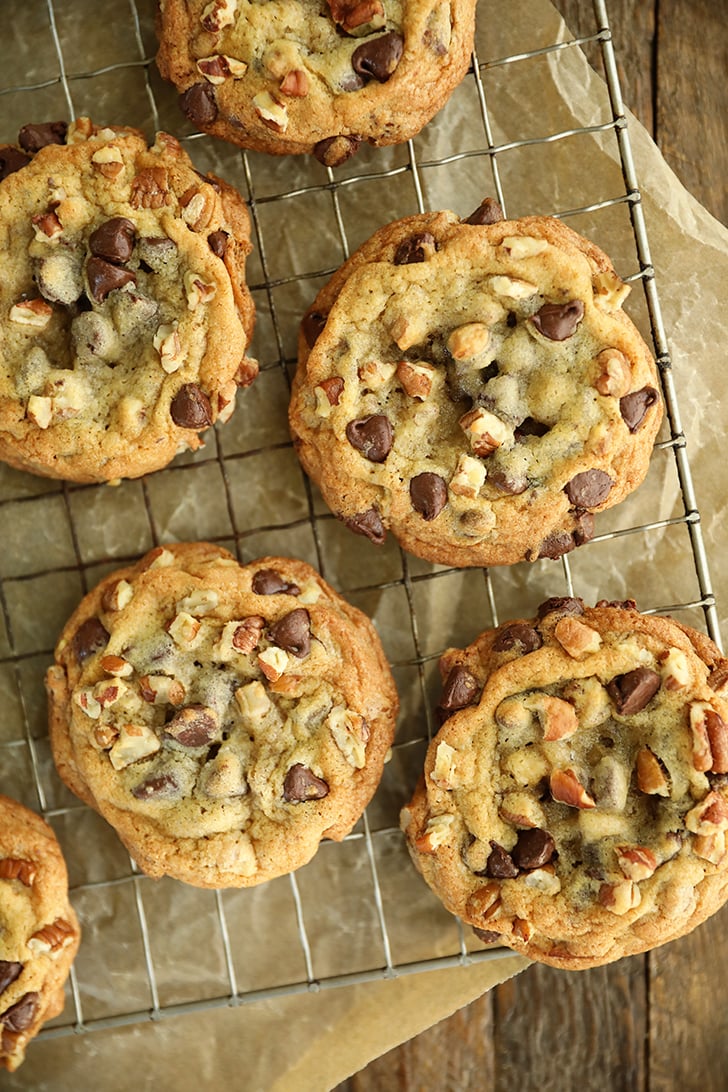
(657, 1022)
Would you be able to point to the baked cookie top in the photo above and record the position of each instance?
(575, 800)
(315, 76)
(39, 936)
(475, 388)
(223, 719)
(124, 315)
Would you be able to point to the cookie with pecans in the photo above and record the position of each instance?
(474, 387)
(574, 804)
(39, 937)
(223, 718)
(124, 314)
(317, 76)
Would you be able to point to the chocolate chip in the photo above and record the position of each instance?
(11, 160)
(199, 105)
(499, 865)
(292, 632)
(335, 150)
(556, 544)
(367, 523)
(529, 426)
(588, 489)
(633, 691)
(193, 726)
(508, 483)
(372, 436)
(9, 971)
(379, 57)
(618, 604)
(486, 935)
(560, 604)
(517, 635)
(91, 636)
(103, 277)
(269, 582)
(113, 240)
(164, 786)
(418, 248)
(21, 1015)
(634, 406)
(487, 212)
(301, 785)
(558, 321)
(32, 138)
(217, 242)
(428, 494)
(312, 325)
(583, 528)
(460, 688)
(534, 848)
(190, 407)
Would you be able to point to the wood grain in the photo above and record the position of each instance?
(649, 1022)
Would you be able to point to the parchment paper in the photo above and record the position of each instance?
(311, 1042)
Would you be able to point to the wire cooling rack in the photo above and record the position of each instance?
(60, 539)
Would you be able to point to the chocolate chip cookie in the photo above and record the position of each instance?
(474, 387)
(39, 937)
(575, 801)
(124, 315)
(315, 76)
(223, 719)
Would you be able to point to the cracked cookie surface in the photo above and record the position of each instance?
(39, 937)
(223, 719)
(317, 76)
(124, 315)
(474, 387)
(574, 804)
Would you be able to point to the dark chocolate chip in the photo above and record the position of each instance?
(9, 971)
(489, 372)
(217, 242)
(301, 784)
(32, 138)
(312, 325)
(588, 489)
(487, 212)
(269, 582)
(91, 636)
(560, 604)
(486, 935)
(515, 635)
(378, 57)
(499, 865)
(292, 632)
(372, 436)
(418, 248)
(508, 483)
(634, 406)
(163, 786)
(367, 523)
(618, 604)
(193, 726)
(534, 848)
(511, 319)
(460, 688)
(334, 150)
(583, 528)
(557, 544)
(11, 160)
(558, 321)
(633, 691)
(351, 82)
(21, 1015)
(103, 277)
(199, 105)
(529, 426)
(190, 407)
(113, 240)
(428, 494)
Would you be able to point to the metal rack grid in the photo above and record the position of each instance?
(25, 653)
